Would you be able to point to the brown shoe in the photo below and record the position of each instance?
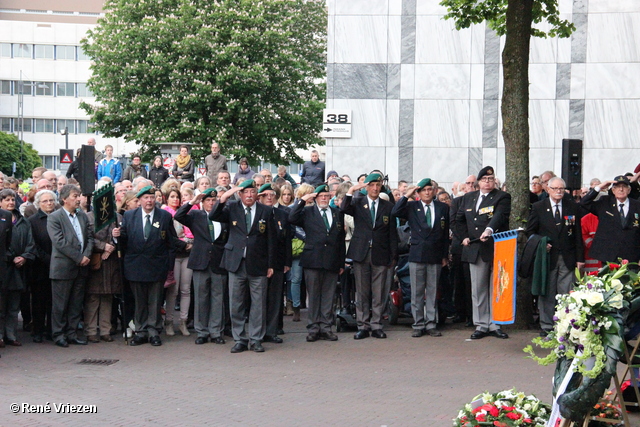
(93, 338)
(106, 338)
(296, 314)
(288, 310)
(13, 343)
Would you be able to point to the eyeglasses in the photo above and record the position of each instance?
(544, 182)
(535, 183)
(557, 188)
(488, 179)
(470, 182)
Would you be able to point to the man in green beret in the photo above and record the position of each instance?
(373, 248)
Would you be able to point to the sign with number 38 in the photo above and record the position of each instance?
(336, 123)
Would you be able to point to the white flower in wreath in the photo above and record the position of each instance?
(616, 285)
(616, 301)
(594, 298)
(579, 335)
(608, 324)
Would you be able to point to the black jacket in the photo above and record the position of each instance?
(40, 270)
(284, 234)
(158, 175)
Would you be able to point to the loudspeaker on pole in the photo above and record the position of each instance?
(572, 163)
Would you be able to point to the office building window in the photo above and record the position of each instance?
(44, 88)
(27, 125)
(5, 50)
(27, 87)
(69, 124)
(5, 124)
(44, 51)
(82, 56)
(49, 162)
(22, 50)
(5, 87)
(66, 52)
(83, 126)
(83, 91)
(65, 89)
(44, 125)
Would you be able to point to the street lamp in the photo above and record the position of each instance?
(65, 132)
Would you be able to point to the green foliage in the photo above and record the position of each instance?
(10, 152)
(245, 73)
(469, 12)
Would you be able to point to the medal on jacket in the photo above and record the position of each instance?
(262, 226)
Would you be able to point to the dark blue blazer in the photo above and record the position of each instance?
(148, 260)
(322, 249)
(284, 234)
(428, 245)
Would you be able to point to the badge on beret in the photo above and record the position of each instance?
(373, 177)
(249, 183)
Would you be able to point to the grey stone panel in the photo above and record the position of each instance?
(579, 38)
(563, 81)
(491, 47)
(330, 91)
(408, 7)
(475, 160)
(490, 123)
(580, 6)
(393, 81)
(360, 81)
(576, 119)
(405, 140)
(408, 42)
(491, 81)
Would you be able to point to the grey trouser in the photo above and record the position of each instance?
(274, 301)
(424, 284)
(481, 295)
(321, 287)
(370, 298)
(239, 284)
(67, 299)
(560, 281)
(147, 317)
(209, 302)
(9, 309)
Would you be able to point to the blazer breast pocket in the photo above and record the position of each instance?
(228, 247)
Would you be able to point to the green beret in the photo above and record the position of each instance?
(249, 183)
(149, 189)
(322, 188)
(265, 187)
(423, 183)
(210, 192)
(373, 177)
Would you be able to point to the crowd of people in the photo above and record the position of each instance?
(234, 257)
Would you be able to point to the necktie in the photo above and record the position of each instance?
(326, 220)
(622, 213)
(481, 201)
(557, 217)
(428, 215)
(212, 231)
(247, 218)
(373, 213)
(147, 226)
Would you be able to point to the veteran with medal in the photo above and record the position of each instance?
(374, 249)
(482, 213)
(149, 242)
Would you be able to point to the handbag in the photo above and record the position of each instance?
(95, 262)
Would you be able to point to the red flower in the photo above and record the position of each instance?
(591, 273)
(614, 266)
(508, 408)
(481, 417)
(528, 420)
(625, 261)
(494, 411)
(499, 424)
(514, 415)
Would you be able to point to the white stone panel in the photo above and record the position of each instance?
(362, 7)
(611, 124)
(578, 76)
(441, 123)
(395, 7)
(394, 40)
(430, 7)
(440, 43)
(561, 120)
(475, 123)
(603, 6)
(442, 81)
(613, 37)
(612, 81)
(477, 82)
(541, 115)
(392, 122)
(543, 50)
(477, 43)
(353, 160)
(368, 121)
(445, 165)
(361, 39)
(542, 81)
(408, 81)
(607, 163)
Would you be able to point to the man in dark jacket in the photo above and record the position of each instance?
(373, 248)
(313, 170)
(135, 169)
(429, 223)
(209, 279)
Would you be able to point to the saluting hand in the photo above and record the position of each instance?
(410, 192)
(227, 194)
(356, 187)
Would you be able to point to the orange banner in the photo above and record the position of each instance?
(503, 290)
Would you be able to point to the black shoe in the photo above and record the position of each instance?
(499, 334)
(257, 347)
(202, 340)
(228, 333)
(138, 340)
(280, 332)
(417, 333)
(328, 336)
(457, 319)
(469, 324)
(434, 332)
(37, 338)
(238, 348)
(378, 333)
(544, 332)
(155, 341)
(361, 334)
(218, 340)
(77, 341)
(312, 337)
(478, 335)
(62, 343)
(274, 339)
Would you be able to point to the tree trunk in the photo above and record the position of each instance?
(515, 127)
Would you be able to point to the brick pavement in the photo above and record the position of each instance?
(400, 381)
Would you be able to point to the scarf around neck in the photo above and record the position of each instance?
(183, 161)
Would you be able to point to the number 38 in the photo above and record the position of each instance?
(337, 118)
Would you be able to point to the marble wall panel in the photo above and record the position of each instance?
(391, 167)
(477, 43)
(445, 164)
(561, 120)
(430, 7)
(494, 157)
(542, 81)
(438, 42)
(331, 39)
(394, 40)
(565, 6)
(476, 84)
(474, 162)
(393, 81)
(579, 36)
(602, 6)
(362, 7)
(563, 81)
(611, 124)
(544, 159)
(581, 6)
(490, 122)
(395, 7)
(542, 117)
(564, 45)
(606, 164)
(441, 123)
(407, 87)
(361, 39)
(392, 124)
(408, 42)
(330, 91)
(405, 138)
(543, 51)
(442, 81)
(359, 81)
(475, 123)
(612, 81)
(343, 159)
(369, 121)
(492, 46)
(576, 118)
(409, 7)
(578, 78)
(613, 37)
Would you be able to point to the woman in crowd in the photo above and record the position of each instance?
(244, 171)
(22, 248)
(129, 201)
(286, 195)
(158, 173)
(184, 167)
(181, 274)
(202, 184)
(109, 166)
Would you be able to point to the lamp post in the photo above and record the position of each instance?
(65, 132)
